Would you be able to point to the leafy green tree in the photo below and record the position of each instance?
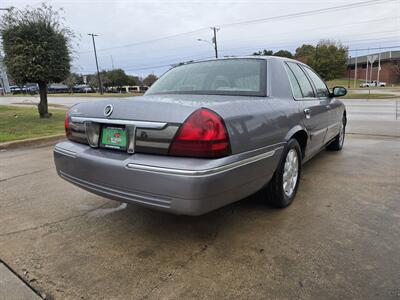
(284, 53)
(264, 52)
(330, 60)
(36, 44)
(117, 77)
(327, 58)
(305, 54)
(134, 80)
(150, 79)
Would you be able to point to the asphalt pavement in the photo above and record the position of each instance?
(339, 239)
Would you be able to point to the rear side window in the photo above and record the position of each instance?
(293, 82)
(322, 91)
(305, 85)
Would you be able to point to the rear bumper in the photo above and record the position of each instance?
(178, 185)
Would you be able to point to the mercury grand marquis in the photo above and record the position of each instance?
(204, 135)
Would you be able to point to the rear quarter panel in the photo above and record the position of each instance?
(258, 122)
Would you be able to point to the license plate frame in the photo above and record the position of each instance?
(114, 137)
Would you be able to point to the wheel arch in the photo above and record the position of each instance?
(300, 134)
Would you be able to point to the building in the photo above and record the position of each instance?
(389, 71)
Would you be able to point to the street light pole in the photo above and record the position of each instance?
(215, 29)
(97, 64)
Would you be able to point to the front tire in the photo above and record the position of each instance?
(281, 190)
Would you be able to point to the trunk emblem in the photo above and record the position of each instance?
(108, 110)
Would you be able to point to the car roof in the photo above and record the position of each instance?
(264, 57)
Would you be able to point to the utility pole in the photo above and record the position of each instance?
(215, 29)
(112, 62)
(348, 71)
(97, 64)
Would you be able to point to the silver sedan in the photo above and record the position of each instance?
(204, 135)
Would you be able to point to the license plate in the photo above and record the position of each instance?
(114, 138)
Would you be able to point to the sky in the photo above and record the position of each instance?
(144, 37)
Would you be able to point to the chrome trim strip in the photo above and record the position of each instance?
(141, 124)
(337, 124)
(318, 132)
(65, 152)
(206, 172)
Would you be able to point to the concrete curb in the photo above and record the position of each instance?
(32, 142)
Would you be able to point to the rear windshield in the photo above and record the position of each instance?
(219, 77)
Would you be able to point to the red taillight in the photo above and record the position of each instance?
(66, 126)
(203, 134)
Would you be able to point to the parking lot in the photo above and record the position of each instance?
(339, 239)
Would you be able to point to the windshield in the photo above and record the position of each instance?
(218, 77)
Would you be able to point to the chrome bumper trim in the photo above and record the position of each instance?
(65, 152)
(140, 124)
(206, 172)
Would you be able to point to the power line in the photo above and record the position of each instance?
(166, 65)
(314, 28)
(274, 18)
(209, 57)
(149, 41)
(309, 12)
(291, 42)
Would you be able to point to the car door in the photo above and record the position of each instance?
(315, 110)
(323, 95)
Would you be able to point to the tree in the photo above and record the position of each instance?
(328, 58)
(73, 79)
(263, 52)
(117, 77)
(150, 79)
(284, 53)
(37, 48)
(305, 54)
(134, 80)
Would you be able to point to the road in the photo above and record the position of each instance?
(339, 239)
(378, 117)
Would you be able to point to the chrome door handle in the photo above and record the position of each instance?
(307, 112)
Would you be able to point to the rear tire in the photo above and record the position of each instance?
(282, 188)
(338, 141)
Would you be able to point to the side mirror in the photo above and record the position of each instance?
(338, 91)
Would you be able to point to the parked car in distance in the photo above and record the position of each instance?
(374, 83)
(82, 88)
(54, 88)
(16, 89)
(204, 135)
